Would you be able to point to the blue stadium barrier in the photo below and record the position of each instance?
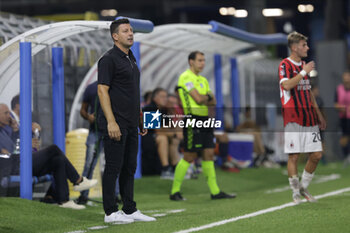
(14, 181)
(25, 100)
(59, 129)
(139, 25)
(137, 53)
(270, 39)
(218, 90)
(235, 94)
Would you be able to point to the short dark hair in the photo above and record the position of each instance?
(147, 95)
(115, 25)
(192, 55)
(14, 101)
(156, 91)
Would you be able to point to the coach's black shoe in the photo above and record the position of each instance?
(82, 200)
(48, 200)
(177, 197)
(222, 195)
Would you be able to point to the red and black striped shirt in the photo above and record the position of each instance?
(296, 103)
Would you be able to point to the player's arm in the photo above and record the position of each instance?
(85, 114)
(4, 151)
(322, 121)
(212, 102)
(36, 142)
(289, 84)
(14, 124)
(143, 131)
(339, 107)
(105, 101)
(200, 99)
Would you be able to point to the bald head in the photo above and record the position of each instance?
(4, 115)
(3, 107)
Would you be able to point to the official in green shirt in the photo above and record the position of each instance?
(196, 96)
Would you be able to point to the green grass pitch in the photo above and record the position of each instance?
(330, 214)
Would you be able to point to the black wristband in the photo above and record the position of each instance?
(209, 97)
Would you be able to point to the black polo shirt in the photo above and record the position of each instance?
(120, 72)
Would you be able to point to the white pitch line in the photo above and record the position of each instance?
(176, 211)
(97, 227)
(159, 215)
(260, 212)
(79, 231)
(317, 180)
(166, 211)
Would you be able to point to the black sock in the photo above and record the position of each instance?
(165, 168)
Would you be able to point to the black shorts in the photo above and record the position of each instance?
(345, 126)
(198, 139)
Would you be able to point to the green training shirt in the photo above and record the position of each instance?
(188, 81)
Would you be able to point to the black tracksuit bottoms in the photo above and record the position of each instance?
(121, 160)
(51, 160)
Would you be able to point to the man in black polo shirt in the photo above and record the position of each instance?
(119, 94)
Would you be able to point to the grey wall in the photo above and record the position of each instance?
(330, 64)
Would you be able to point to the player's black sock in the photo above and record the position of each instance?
(165, 168)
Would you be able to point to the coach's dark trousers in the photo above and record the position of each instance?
(121, 160)
(52, 160)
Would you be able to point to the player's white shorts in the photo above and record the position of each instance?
(301, 139)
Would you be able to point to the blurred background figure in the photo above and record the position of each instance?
(15, 108)
(147, 99)
(261, 152)
(50, 160)
(342, 104)
(166, 140)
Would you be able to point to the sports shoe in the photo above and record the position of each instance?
(177, 197)
(72, 205)
(137, 216)
(85, 184)
(296, 198)
(167, 175)
(82, 200)
(48, 200)
(118, 218)
(222, 195)
(305, 193)
(230, 167)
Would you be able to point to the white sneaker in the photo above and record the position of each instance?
(138, 216)
(118, 218)
(85, 184)
(296, 198)
(72, 205)
(305, 193)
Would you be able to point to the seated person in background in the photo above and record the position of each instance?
(342, 105)
(249, 126)
(166, 140)
(147, 99)
(15, 108)
(50, 160)
(222, 148)
(174, 135)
